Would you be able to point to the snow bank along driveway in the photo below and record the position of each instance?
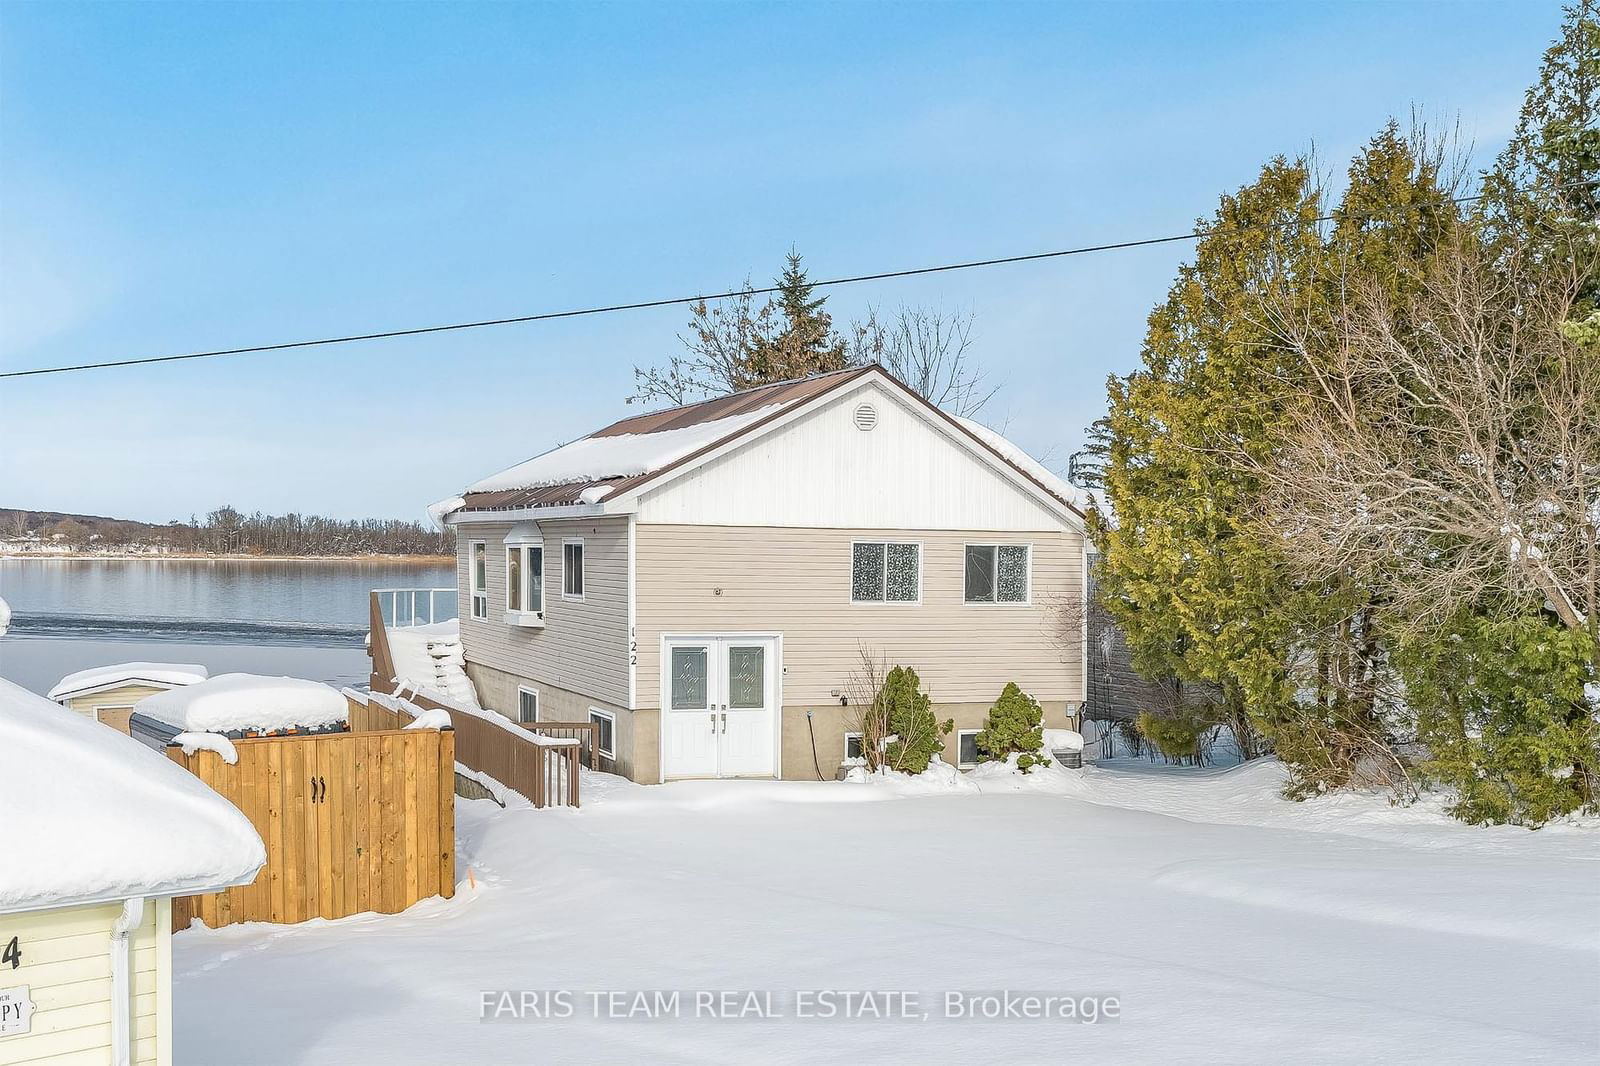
(1257, 935)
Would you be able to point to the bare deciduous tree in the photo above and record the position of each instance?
(931, 351)
(1448, 448)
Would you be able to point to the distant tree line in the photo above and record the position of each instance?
(229, 531)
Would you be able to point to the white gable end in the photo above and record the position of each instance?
(822, 470)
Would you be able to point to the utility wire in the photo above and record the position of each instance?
(671, 301)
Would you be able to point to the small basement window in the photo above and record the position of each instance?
(606, 734)
(852, 746)
(997, 573)
(478, 578)
(885, 572)
(572, 570)
(527, 704)
(967, 749)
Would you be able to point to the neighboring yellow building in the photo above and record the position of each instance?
(107, 693)
(99, 834)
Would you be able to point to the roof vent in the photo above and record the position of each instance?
(866, 417)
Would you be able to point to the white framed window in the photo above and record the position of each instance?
(885, 571)
(606, 739)
(967, 749)
(525, 578)
(852, 746)
(999, 573)
(572, 569)
(527, 704)
(478, 577)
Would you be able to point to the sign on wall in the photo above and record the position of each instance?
(16, 1011)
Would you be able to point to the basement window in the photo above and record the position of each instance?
(527, 704)
(606, 734)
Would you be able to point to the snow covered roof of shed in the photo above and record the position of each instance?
(92, 815)
(233, 703)
(99, 678)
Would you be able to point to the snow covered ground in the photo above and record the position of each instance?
(1231, 925)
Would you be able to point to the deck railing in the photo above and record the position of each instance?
(416, 607)
(539, 760)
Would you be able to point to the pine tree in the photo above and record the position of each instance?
(1013, 727)
(804, 342)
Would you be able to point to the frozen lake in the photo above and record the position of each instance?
(284, 617)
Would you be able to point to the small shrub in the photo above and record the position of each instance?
(904, 709)
(1176, 736)
(1013, 726)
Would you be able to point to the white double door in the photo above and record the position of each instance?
(720, 707)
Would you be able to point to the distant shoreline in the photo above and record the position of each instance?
(179, 557)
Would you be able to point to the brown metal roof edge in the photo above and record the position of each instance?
(734, 403)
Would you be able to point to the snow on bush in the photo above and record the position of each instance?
(237, 702)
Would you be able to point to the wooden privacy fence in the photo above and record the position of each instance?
(352, 822)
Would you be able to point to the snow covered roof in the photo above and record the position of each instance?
(99, 678)
(625, 454)
(92, 815)
(1013, 454)
(240, 702)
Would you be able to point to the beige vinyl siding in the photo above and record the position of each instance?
(583, 646)
(66, 962)
(117, 703)
(795, 581)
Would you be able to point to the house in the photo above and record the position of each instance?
(100, 834)
(108, 693)
(704, 583)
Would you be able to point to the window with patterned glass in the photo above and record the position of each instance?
(747, 677)
(885, 572)
(997, 573)
(688, 680)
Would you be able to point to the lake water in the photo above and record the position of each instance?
(308, 619)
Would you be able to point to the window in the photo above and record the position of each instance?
(885, 572)
(997, 573)
(477, 577)
(525, 578)
(572, 570)
(527, 704)
(967, 748)
(607, 731)
(852, 746)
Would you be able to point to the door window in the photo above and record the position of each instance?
(688, 678)
(747, 677)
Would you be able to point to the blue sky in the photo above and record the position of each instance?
(177, 177)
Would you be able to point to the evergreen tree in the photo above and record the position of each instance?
(804, 342)
(1013, 727)
(1186, 572)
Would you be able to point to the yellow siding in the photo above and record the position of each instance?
(795, 581)
(122, 696)
(66, 962)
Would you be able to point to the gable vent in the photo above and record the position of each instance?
(866, 417)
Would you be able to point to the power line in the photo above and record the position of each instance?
(671, 301)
